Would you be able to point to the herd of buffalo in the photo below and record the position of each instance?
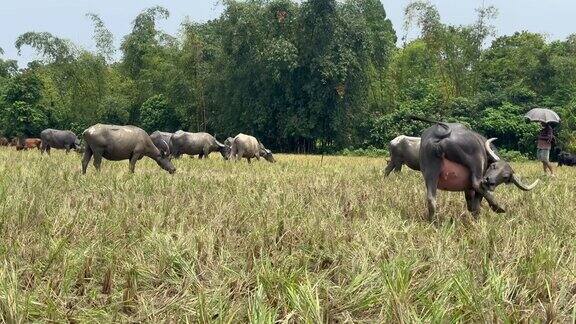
(131, 143)
(450, 156)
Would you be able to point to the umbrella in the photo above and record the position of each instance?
(543, 115)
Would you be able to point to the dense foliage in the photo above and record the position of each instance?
(317, 75)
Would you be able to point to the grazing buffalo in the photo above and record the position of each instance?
(403, 150)
(195, 143)
(246, 146)
(29, 143)
(162, 141)
(454, 158)
(59, 139)
(228, 141)
(228, 146)
(118, 143)
(565, 158)
(4, 141)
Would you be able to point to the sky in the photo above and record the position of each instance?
(66, 18)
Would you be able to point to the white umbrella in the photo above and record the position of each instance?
(543, 115)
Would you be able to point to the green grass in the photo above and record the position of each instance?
(295, 241)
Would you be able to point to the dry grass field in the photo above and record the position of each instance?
(291, 242)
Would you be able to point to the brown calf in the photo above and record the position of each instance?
(29, 143)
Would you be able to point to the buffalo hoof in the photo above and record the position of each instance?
(497, 209)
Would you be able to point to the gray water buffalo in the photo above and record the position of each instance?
(162, 141)
(118, 143)
(454, 158)
(246, 146)
(58, 139)
(403, 150)
(201, 144)
(228, 146)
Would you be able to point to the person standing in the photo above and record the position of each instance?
(545, 139)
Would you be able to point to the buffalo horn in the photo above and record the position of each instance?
(521, 185)
(167, 148)
(490, 151)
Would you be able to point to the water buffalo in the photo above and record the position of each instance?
(29, 143)
(403, 150)
(228, 146)
(14, 142)
(118, 143)
(195, 143)
(565, 158)
(162, 141)
(58, 139)
(454, 158)
(246, 146)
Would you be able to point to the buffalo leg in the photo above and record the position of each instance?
(477, 185)
(240, 155)
(133, 160)
(86, 159)
(493, 203)
(473, 200)
(431, 190)
(97, 160)
(431, 176)
(476, 174)
(67, 148)
(392, 166)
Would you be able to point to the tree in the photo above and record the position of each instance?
(8, 68)
(22, 114)
(54, 49)
(157, 115)
(103, 37)
(142, 40)
(302, 76)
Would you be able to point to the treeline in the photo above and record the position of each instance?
(315, 76)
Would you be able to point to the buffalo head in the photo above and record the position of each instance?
(165, 162)
(500, 172)
(224, 150)
(267, 155)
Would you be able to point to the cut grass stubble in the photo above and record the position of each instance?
(295, 241)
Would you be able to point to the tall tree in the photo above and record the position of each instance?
(103, 37)
(142, 40)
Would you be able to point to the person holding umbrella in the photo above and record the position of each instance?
(546, 118)
(544, 145)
